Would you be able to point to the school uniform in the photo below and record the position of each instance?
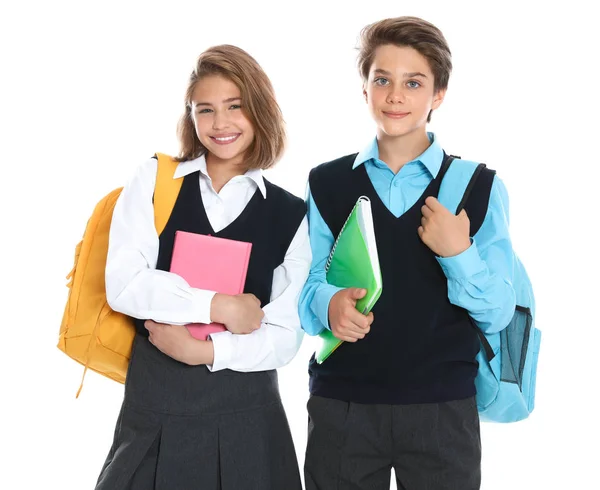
(206, 427)
(403, 396)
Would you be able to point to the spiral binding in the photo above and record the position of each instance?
(330, 258)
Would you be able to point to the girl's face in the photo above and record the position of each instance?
(221, 125)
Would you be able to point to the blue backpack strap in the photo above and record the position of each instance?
(458, 182)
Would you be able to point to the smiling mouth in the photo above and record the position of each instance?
(396, 115)
(225, 139)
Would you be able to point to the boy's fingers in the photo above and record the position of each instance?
(357, 293)
(355, 335)
(431, 202)
(356, 330)
(435, 205)
(352, 336)
(358, 321)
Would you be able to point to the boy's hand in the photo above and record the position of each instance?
(241, 314)
(444, 233)
(347, 323)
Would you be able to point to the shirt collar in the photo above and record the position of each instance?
(199, 164)
(431, 158)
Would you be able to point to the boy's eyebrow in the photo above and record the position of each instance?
(380, 71)
(226, 101)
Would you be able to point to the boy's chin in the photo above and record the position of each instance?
(396, 132)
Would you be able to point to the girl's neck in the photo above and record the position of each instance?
(222, 171)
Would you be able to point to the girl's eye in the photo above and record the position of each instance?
(236, 106)
(204, 111)
(381, 81)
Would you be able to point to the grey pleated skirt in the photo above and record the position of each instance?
(184, 428)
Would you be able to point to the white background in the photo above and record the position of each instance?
(91, 89)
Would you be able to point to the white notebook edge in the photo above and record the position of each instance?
(367, 227)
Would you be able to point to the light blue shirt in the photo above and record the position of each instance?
(479, 279)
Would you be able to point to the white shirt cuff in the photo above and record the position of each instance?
(223, 346)
(202, 299)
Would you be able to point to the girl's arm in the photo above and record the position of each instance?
(133, 285)
(278, 339)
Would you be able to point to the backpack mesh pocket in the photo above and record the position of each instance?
(514, 341)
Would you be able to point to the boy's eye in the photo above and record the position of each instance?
(413, 84)
(381, 81)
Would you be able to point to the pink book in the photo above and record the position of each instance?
(208, 262)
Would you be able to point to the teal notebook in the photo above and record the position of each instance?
(353, 262)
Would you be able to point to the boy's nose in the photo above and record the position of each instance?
(396, 97)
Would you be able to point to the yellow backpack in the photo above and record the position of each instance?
(91, 332)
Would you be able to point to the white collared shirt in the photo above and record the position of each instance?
(136, 288)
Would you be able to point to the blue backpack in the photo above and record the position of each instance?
(507, 360)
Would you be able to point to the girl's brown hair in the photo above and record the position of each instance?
(258, 103)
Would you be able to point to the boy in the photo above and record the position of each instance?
(400, 392)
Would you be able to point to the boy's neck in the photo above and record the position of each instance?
(397, 151)
(221, 172)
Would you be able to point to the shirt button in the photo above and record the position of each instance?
(396, 183)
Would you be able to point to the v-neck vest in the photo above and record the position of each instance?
(269, 224)
(421, 348)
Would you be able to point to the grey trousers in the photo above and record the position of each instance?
(352, 446)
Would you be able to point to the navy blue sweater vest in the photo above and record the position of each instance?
(421, 348)
(268, 223)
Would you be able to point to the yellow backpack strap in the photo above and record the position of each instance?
(166, 190)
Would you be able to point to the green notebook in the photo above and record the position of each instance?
(353, 262)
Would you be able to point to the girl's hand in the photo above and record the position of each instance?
(176, 341)
(241, 314)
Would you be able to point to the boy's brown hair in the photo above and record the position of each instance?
(412, 32)
(258, 103)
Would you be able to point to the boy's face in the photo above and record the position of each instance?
(400, 91)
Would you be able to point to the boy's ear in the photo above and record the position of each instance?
(364, 90)
(438, 98)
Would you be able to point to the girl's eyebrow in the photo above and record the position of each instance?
(226, 101)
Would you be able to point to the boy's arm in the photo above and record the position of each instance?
(316, 294)
(480, 278)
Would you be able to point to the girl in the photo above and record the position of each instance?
(207, 414)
